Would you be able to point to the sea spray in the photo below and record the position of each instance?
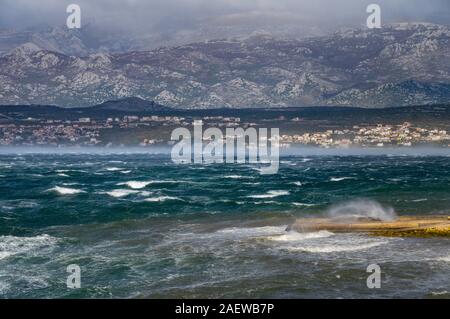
(362, 208)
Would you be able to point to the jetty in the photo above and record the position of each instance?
(403, 226)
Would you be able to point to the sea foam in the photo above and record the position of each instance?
(12, 245)
(335, 248)
(296, 236)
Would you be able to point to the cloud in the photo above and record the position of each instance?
(175, 15)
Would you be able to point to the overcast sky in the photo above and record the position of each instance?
(176, 15)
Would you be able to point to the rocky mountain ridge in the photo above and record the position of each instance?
(399, 65)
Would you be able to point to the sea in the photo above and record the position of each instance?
(139, 226)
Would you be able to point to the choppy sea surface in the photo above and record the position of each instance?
(140, 226)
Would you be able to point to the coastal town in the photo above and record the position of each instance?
(372, 136)
(91, 132)
(155, 130)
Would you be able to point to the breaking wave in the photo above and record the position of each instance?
(335, 248)
(296, 236)
(270, 194)
(338, 179)
(161, 199)
(66, 190)
(118, 193)
(136, 184)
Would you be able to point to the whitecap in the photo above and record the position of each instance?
(161, 199)
(297, 183)
(118, 193)
(338, 179)
(234, 176)
(267, 202)
(444, 258)
(271, 194)
(136, 184)
(419, 200)
(230, 201)
(303, 204)
(63, 175)
(70, 170)
(440, 293)
(66, 190)
(114, 169)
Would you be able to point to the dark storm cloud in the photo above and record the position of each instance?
(174, 15)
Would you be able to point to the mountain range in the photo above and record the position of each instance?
(399, 65)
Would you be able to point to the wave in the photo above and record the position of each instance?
(419, 200)
(161, 199)
(297, 183)
(267, 202)
(303, 204)
(335, 248)
(118, 193)
(4, 287)
(230, 201)
(270, 194)
(440, 293)
(288, 163)
(114, 169)
(136, 184)
(12, 245)
(296, 236)
(251, 183)
(63, 175)
(143, 184)
(444, 258)
(338, 179)
(70, 170)
(235, 176)
(252, 231)
(66, 190)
